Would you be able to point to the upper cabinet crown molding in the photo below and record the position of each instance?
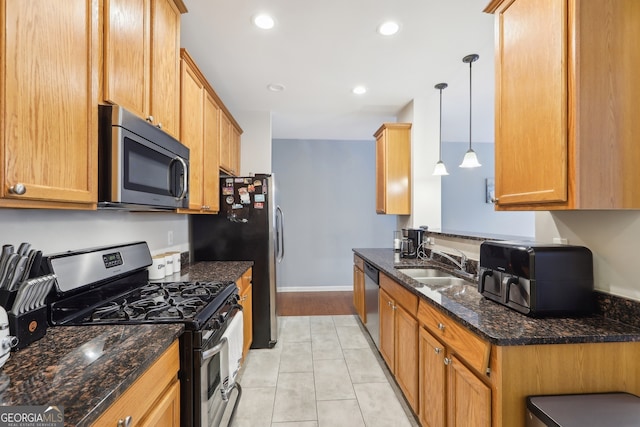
(566, 104)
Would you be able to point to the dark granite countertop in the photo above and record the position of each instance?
(498, 324)
(211, 270)
(83, 368)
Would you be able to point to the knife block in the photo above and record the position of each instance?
(7, 298)
(28, 327)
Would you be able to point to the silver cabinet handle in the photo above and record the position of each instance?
(437, 350)
(18, 189)
(441, 326)
(447, 361)
(126, 422)
(150, 119)
(159, 125)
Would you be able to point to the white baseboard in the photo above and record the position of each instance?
(316, 289)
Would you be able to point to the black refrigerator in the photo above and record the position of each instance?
(248, 227)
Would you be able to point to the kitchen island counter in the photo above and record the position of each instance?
(83, 368)
(498, 324)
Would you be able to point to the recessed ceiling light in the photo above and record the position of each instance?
(263, 21)
(359, 90)
(275, 87)
(388, 28)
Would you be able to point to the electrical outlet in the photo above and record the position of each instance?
(560, 241)
(170, 237)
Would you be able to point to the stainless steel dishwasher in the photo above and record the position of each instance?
(371, 295)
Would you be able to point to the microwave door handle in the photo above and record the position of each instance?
(185, 179)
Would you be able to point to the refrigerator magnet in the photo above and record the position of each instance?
(258, 205)
(229, 200)
(247, 180)
(239, 180)
(244, 195)
(227, 191)
(259, 198)
(229, 181)
(237, 206)
(257, 183)
(251, 188)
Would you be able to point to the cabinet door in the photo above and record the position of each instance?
(381, 174)
(126, 54)
(48, 103)
(469, 399)
(235, 150)
(387, 329)
(165, 65)
(192, 131)
(211, 164)
(166, 411)
(432, 375)
(531, 103)
(246, 300)
(225, 142)
(406, 355)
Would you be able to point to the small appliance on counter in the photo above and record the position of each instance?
(537, 279)
(411, 241)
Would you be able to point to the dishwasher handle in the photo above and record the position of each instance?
(371, 272)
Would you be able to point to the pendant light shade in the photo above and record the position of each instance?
(470, 158)
(440, 168)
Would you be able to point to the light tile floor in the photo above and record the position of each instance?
(324, 372)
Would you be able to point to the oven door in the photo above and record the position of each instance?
(214, 395)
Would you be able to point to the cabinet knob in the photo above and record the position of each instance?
(437, 350)
(150, 119)
(159, 125)
(126, 422)
(447, 361)
(18, 189)
(441, 326)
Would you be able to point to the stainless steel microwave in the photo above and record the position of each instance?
(140, 167)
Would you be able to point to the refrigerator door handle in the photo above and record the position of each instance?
(279, 233)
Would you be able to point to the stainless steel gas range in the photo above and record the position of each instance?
(109, 285)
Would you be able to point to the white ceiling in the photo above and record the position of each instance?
(319, 50)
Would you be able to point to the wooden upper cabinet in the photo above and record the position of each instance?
(199, 130)
(393, 169)
(192, 129)
(230, 135)
(142, 59)
(48, 103)
(566, 104)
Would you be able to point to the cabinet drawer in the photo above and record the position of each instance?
(459, 340)
(402, 296)
(141, 396)
(359, 262)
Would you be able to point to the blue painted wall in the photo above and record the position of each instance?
(327, 192)
(463, 196)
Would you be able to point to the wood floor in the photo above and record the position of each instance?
(314, 303)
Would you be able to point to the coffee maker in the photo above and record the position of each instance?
(411, 241)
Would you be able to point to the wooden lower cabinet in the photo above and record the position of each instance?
(399, 336)
(432, 380)
(358, 288)
(153, 399)
(246, 301)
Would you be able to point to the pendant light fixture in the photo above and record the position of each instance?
(440, 168)
(470, 159)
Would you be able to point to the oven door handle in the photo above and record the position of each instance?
(208, 354)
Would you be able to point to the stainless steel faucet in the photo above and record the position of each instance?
(462, 265)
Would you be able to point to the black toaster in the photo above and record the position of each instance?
(537, 279)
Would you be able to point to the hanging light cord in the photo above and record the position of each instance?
(440, 129)
(470, 103)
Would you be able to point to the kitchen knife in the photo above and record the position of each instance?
(7, 268)
(23, 249)
(16, 277)
(27, 270)
(7, 250)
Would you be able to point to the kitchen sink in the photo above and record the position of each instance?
(425, 273)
